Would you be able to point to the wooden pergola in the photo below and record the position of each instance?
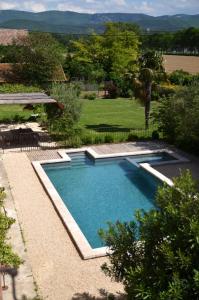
(25, 98)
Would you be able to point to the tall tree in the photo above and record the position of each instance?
(151, 66)
(107, 56)
(37, 58)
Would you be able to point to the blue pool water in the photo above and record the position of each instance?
(105, 190)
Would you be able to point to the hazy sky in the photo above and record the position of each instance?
(152, 7)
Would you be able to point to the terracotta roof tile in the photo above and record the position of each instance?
(8, 36)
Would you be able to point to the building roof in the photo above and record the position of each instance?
(6, 74)
(189, 64)
(25, 98)
(8, 36)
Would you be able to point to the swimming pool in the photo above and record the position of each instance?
(97, 191)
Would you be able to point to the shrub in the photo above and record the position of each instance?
(7, 256)
(163, 264)
(90, 96)
(132, 137)
(99, 139)
(74, 142)
(64, 117)
(165, 90)
(87, 140)
(178, 120)
(113, 91)
(108, 138)
(18, 88)
(155, 135)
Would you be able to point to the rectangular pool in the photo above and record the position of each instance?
(104, 190)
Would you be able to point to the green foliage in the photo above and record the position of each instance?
(155, 135)
(132, 137)
(108, 138)
(38, 58)
(18, 88)
(104, 57)
(87, 140)
(178, 120)
(163, 264)
(99, 140)
(7, 256)
(165, 90)
(181, 77)
(64, 116)
(183, 41)
(90, 96)
(151, 66)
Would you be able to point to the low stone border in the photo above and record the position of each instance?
(86, 251)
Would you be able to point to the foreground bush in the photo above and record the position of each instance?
(164, 263)
(7, 256)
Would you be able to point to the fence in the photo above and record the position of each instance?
(29, 141)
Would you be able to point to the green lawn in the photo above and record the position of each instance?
(8, 112)
(113, 113)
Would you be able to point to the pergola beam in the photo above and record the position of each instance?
(25, 98)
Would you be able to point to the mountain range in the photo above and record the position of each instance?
(73, 22)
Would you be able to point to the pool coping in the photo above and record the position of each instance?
(84, 248)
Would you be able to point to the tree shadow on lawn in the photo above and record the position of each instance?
(108, 127)
(104, 295)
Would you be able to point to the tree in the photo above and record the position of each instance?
(178, 120)
(151, 65)
(105, 57)
(37, 58)
(164, 263)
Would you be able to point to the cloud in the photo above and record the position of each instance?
(7, 5)
(67, 6)
(119, 2)
(153, 7)
(34, 6)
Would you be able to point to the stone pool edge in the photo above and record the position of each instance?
(84, 248)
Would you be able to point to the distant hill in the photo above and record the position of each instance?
(72, 22)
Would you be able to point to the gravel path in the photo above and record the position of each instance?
(57, 267)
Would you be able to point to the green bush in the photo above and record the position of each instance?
(155, 135)
(99, 139)
(132, 137)
(87, 140)
(163, 264)
(7, 256)
(18, 88)
(108, 138)
(74, 142)
(165, 90)
(63, 118)
(178, 120)
(90, 96)
(180, 77)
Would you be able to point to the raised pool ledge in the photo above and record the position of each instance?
(79, 239)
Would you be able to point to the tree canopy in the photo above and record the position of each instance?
(178, 120)
(107, 56)
(37, 57)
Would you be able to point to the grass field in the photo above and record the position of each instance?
(8, 112)
(113, 113)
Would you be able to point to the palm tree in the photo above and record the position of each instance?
(151, 66)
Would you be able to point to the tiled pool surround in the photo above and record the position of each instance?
(78, 237)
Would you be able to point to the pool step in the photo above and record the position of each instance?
(80, 159)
